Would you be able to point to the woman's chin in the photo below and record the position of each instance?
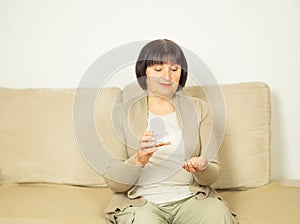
(166, 93)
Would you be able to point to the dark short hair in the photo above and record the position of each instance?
(159, 52)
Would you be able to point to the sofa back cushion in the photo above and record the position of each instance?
(245, 150)
(38, 143)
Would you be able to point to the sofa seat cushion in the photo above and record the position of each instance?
(27, 221)
(55, 204)
(52, 204)
(273, 203)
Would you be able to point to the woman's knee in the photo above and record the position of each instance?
(209, 210)
(218, 212)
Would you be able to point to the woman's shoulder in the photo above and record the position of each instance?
(123, 102)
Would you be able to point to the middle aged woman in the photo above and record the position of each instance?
(164, 176)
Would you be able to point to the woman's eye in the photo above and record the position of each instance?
(174, 69)
(158, 69)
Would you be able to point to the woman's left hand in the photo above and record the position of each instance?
(195, 164)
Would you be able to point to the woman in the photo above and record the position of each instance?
(164, 176)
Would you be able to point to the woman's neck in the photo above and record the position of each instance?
(159, 105)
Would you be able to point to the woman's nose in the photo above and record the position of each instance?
(166, 73)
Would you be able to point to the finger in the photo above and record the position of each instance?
(147, 153)
(151, 150)
(148, 133)
(184, 165)
(191, 167)
(148, 138)
(188, 166)
(192, 170)
(195, 165)
(147, 145)
(159, 144)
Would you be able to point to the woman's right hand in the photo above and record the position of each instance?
(146, 149)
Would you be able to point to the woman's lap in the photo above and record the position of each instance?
(191, 211)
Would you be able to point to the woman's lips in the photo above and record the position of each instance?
(165, 84)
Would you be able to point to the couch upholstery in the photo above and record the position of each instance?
(45, 178)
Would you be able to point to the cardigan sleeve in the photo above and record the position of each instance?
(207, 142)
(122, 173)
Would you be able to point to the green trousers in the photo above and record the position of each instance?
(211, 210)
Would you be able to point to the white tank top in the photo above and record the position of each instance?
(176, 186)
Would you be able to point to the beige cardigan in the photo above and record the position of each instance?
(130, 122)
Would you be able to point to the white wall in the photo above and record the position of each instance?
(52, 44)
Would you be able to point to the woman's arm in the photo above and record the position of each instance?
(205, 173)
(122, 173)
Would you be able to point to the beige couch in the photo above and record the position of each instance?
(45, 178)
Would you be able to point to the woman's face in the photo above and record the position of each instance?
(163, 79)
